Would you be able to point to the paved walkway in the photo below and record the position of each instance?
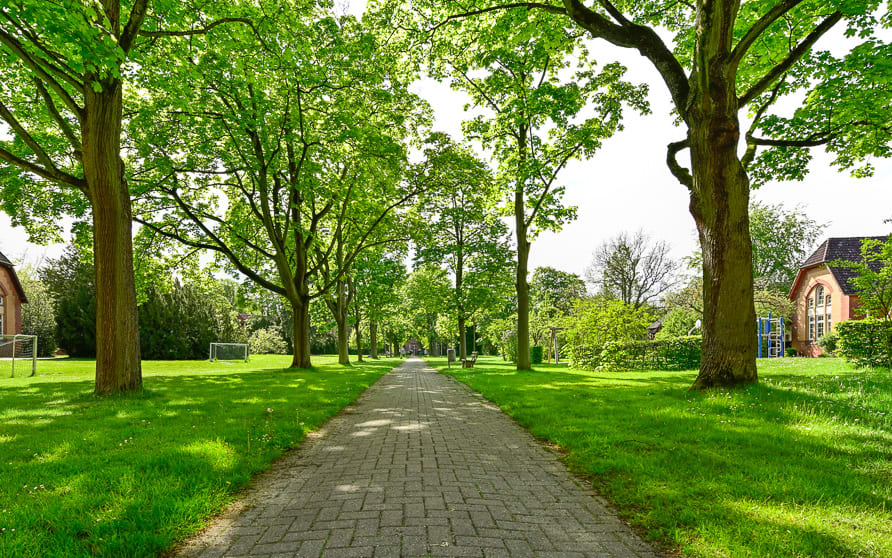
(419, 466)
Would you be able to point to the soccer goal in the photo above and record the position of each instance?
(18, 352)
(229, 351)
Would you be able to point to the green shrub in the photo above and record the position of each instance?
(269, 341)
(536, 354)
(866, 342)
(679, 353)
(829, 343)
(791, 352)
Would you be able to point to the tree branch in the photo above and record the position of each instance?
(791, 58)
(759, 27)
(682, 174)
(53, 174)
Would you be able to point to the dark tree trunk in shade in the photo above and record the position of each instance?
(118, 366)
(373, 339)
(301, 334)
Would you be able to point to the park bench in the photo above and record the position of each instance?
(469, 362)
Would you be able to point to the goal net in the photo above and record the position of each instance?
(18, 355)
(229, 351)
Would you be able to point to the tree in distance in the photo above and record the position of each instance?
(632, 268)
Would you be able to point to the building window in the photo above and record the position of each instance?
(820, 314)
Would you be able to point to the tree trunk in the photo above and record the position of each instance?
(522, 287)
(358, 338)
(339, 309)
(720, 206)
(462, 342)
(301, 333)
(373, 339)
(118, 365)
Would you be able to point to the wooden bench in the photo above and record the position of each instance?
(469, 362)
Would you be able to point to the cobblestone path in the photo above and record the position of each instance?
(419, 466)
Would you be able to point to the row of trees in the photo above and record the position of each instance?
(276, 133)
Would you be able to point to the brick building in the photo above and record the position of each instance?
(12, 296)
(823, 294)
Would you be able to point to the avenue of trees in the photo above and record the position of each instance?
(284, 138)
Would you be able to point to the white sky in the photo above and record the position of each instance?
(627, 185)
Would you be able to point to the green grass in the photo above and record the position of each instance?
(798, 465)
(131, 475)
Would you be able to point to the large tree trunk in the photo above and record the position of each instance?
(523, 289)
(118, 365)
(720, 206)
(301, 333)
(373, 339)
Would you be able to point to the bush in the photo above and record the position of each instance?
(679, 353)
(269, 341)
(866, 342)
(536, 354)
(829, 343)
(791, 352)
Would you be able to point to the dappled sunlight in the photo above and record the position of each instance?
(172, 454)
(219, 454)
(411, 427)
(378, 422)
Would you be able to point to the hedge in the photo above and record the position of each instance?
(866, 342)
(678, 353)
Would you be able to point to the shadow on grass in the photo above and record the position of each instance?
(798, 464)
(128, 475)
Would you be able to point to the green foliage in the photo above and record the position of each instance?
(135, 475)
(601, 330)
(69, 281)
(866, 342)
(829, 343)
(550, 287)
(181, 323)
(782, 239)
(678, 353)
(39, 315)
(268, 341)
(536, 354)
(690, 469)
(791, 352)
(678, 322)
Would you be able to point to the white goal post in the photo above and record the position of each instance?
(229, 351)
(21, 349)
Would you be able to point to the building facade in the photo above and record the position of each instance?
(823, 293)
(12, 296)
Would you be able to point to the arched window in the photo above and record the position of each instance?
(819, 312)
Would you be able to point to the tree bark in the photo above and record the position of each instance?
(462, 342)
(358, 336)
(118, 366)
(522, 287)
(720, 206)
(338, 307)
(301, 333)
(373, 339)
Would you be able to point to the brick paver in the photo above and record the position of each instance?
(419, 466)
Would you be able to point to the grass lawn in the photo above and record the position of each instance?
(131, 475)
(798, 465)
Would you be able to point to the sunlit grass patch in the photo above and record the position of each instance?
(797, 465)
(129, 475)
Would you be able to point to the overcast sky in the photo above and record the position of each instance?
(627, 186)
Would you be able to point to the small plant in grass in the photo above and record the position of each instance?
(791, 352)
